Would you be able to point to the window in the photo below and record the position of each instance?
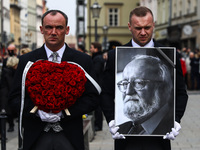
(113, 16)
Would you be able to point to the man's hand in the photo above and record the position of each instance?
(49, 117)
(175, 131)
(113, 131)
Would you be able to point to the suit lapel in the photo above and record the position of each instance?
(67, 55)
(41, 54)
(129, 43)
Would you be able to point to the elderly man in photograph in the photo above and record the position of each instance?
(146, 88)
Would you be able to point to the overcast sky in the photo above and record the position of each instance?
(67, 6)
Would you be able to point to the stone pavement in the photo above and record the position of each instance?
(188, 139)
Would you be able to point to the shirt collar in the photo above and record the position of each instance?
(60, 51)
(150, 44)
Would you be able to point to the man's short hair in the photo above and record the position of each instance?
(97, 45)
(54, 12)
(140, 11)
(25, 50)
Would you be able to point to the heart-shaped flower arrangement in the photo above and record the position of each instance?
(54, 87)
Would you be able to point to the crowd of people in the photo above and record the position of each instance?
(190, 62)
(42, 128)
(9, 65)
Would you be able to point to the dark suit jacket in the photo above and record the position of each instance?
(72, 125)
(107, 104)
(5, 86)
(98, 62)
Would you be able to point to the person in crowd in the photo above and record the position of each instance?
(184, 52)
(12, 51)
(81, 48)
(195, 76)
(188, 70)
(105, 56)
(5, 87)
(98, 61)
(47, 130)
(1, 59)
(141, 26)
(183, 66)
(25, 50)
(10, 62)
(146, 96)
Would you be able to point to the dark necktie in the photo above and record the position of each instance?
(55, 57)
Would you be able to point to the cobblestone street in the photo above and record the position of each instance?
(188, 139)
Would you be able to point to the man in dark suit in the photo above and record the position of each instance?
(141, 25)
(66, 131)
(98, 61)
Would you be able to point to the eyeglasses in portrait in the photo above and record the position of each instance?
(144, 90)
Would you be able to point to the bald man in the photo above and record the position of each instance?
(12, 51)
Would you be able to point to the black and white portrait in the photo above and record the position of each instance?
(144, 96)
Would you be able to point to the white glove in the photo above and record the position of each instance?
(49, 117)
(114, 129)
(175, 131)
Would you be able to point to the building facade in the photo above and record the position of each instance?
(24, 22)
(114, 15)
(20, 23)
(15, 26)
(32, 32)
(178, 23)
(5, 24)
(40, 9)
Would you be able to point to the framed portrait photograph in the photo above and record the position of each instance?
(145, 90)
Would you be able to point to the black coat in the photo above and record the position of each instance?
(98, 64)
(5, 87)
(107, 104)
(72, 125)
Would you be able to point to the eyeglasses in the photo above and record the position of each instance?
(137, 84)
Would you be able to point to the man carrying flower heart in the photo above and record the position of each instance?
(58, 91)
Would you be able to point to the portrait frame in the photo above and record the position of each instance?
(124, 55)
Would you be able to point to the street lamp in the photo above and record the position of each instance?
(105, 32)
(96, 8)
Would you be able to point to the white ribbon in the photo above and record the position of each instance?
(89, 77)
(27, 67)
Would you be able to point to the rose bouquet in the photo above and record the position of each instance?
(54, 87)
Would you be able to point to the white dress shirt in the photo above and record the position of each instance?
(150, 44)
(60, 53)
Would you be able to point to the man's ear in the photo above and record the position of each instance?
(67, 30)
(41, 29)
(129, 26)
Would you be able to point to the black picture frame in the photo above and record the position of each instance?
(162, 120)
